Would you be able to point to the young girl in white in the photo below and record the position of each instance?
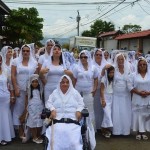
(34, 108)
(106, 92)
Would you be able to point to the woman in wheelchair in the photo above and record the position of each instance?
(65, 104)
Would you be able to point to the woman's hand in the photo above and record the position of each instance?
(78, 115)
(143, 94)
(17, 92)
(12, 100)
(53, 114)
(44, 71)
(93, 92)
(103, 103)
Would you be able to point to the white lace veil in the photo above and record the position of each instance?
(4, 51)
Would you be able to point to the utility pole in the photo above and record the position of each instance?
(78, 20)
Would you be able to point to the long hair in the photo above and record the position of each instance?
(32, 88)
(60, 58)
(110, 79)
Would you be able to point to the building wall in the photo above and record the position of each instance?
(146, 45)
(110, 44)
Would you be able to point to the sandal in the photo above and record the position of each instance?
(4, 143)
(144, 137)
(138, 137)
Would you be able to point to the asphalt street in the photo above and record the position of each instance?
(114, 143)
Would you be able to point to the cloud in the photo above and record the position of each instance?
(144, 22)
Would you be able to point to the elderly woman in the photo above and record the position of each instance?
(47, 54)
(121, 110)
(6, 123)
(140, 87)
(22, 68)
(52, 70)
(99, 62)
(65, 102)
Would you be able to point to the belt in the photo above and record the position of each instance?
(65, 120)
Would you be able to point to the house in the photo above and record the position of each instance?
(107, 40)
(135, 41)
(4, 10)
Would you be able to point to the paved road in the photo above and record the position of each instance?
(115, 143)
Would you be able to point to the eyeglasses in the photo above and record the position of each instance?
(85, 57)
(25, 51)
(98, 54)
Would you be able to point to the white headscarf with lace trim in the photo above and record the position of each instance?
(32, 78)
(3, 68)
(65, 97)
(89, 61)
(16, 49)
(4, 51)
(103, 60)
(32, 62)
(49, 40)
(65, 64)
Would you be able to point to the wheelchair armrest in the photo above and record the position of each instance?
(45, 113)
(85, 112)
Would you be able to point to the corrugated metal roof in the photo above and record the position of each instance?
(107, 33)
(133, 35)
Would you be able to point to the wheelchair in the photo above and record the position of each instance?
(84, 131)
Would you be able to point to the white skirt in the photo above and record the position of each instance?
(6, 123)
(64, 136)
(19, 107)
(107, 119)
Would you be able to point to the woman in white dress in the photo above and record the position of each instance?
(65, 102)
(121, 109)
(99, 62)
(85, 81)
(22, 68)
(6, 123)
(52, 70)
(7, 56)
(140, 87)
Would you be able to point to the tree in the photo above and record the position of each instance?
(99, 26)
(23, 26)
(87, 33)
(129, 28)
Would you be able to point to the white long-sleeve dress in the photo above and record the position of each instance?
(6, 123)
(121, 109)
(66, 136)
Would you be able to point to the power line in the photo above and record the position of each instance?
(109, 11)
(143, 8)
(61, 3)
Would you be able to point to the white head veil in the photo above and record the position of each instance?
(89, 61)
(4, 51)
(3, 65)
(16, 49)
(65, 97)
(32, 62)
(103, 61)
(32, 78)
(49, 40)
(126, 65)
(65, 64)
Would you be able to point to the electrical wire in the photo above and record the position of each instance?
(143, 9)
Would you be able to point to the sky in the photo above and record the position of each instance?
(60, 15)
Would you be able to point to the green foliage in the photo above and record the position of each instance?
(97, 27)
(66, 46)
(23, 26)
(129, 28)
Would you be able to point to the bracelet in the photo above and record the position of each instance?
(12, 97)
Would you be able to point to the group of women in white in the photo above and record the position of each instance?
(116, 92)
